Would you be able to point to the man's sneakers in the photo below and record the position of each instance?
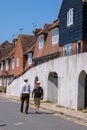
(26, 112)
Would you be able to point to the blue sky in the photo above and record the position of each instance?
(22, 16)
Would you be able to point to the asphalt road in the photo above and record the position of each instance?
(12, 119)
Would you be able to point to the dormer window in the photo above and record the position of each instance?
(7, 66)
(70, 17)
(41, 41)
(29, 58)
(12, 62)
(55, 36)
(18, 62)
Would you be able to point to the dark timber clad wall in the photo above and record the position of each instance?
(85, 21)
(74, 32)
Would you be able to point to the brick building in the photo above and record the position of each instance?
(15, 58)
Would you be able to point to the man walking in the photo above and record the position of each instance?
(25, 95)
(38, 95)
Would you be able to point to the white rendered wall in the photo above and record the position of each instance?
(68, 70)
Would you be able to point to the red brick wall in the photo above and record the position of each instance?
(18, 54)
(74, 47)
(84, 45)
(48, 47)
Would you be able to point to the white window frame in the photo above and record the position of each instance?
(17, 62)
(2, 66)
(41, 41)
(7, 64)
(67, 50)
(12, 63)
(70, 17)
(55, 36)
(29, 58)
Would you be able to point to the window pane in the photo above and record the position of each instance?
(55, 36)
(6, 63)
(18, 62)
(12, 61)
(41, 41)
(67, 50)
(70, 17)
(29, 58)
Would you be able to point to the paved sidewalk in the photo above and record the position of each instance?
(77, 116)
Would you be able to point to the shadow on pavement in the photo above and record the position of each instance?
(41, 113)
(2, 125)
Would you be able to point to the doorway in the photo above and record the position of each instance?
(52, 87)
(82, 90)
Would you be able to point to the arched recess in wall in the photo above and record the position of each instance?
(82, 90)
(52, 87)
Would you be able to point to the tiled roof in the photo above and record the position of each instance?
(11, 53)
(5, 44)
(5, 49)
(1, 50)
(37, 30)
(54, 24)
(27, 42)
(4, 53)
(31, 49)
(44, 29)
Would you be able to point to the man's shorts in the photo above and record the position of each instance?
(37, 101)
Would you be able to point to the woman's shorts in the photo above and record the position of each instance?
(37, 101)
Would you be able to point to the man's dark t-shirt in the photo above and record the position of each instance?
(38, 92)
